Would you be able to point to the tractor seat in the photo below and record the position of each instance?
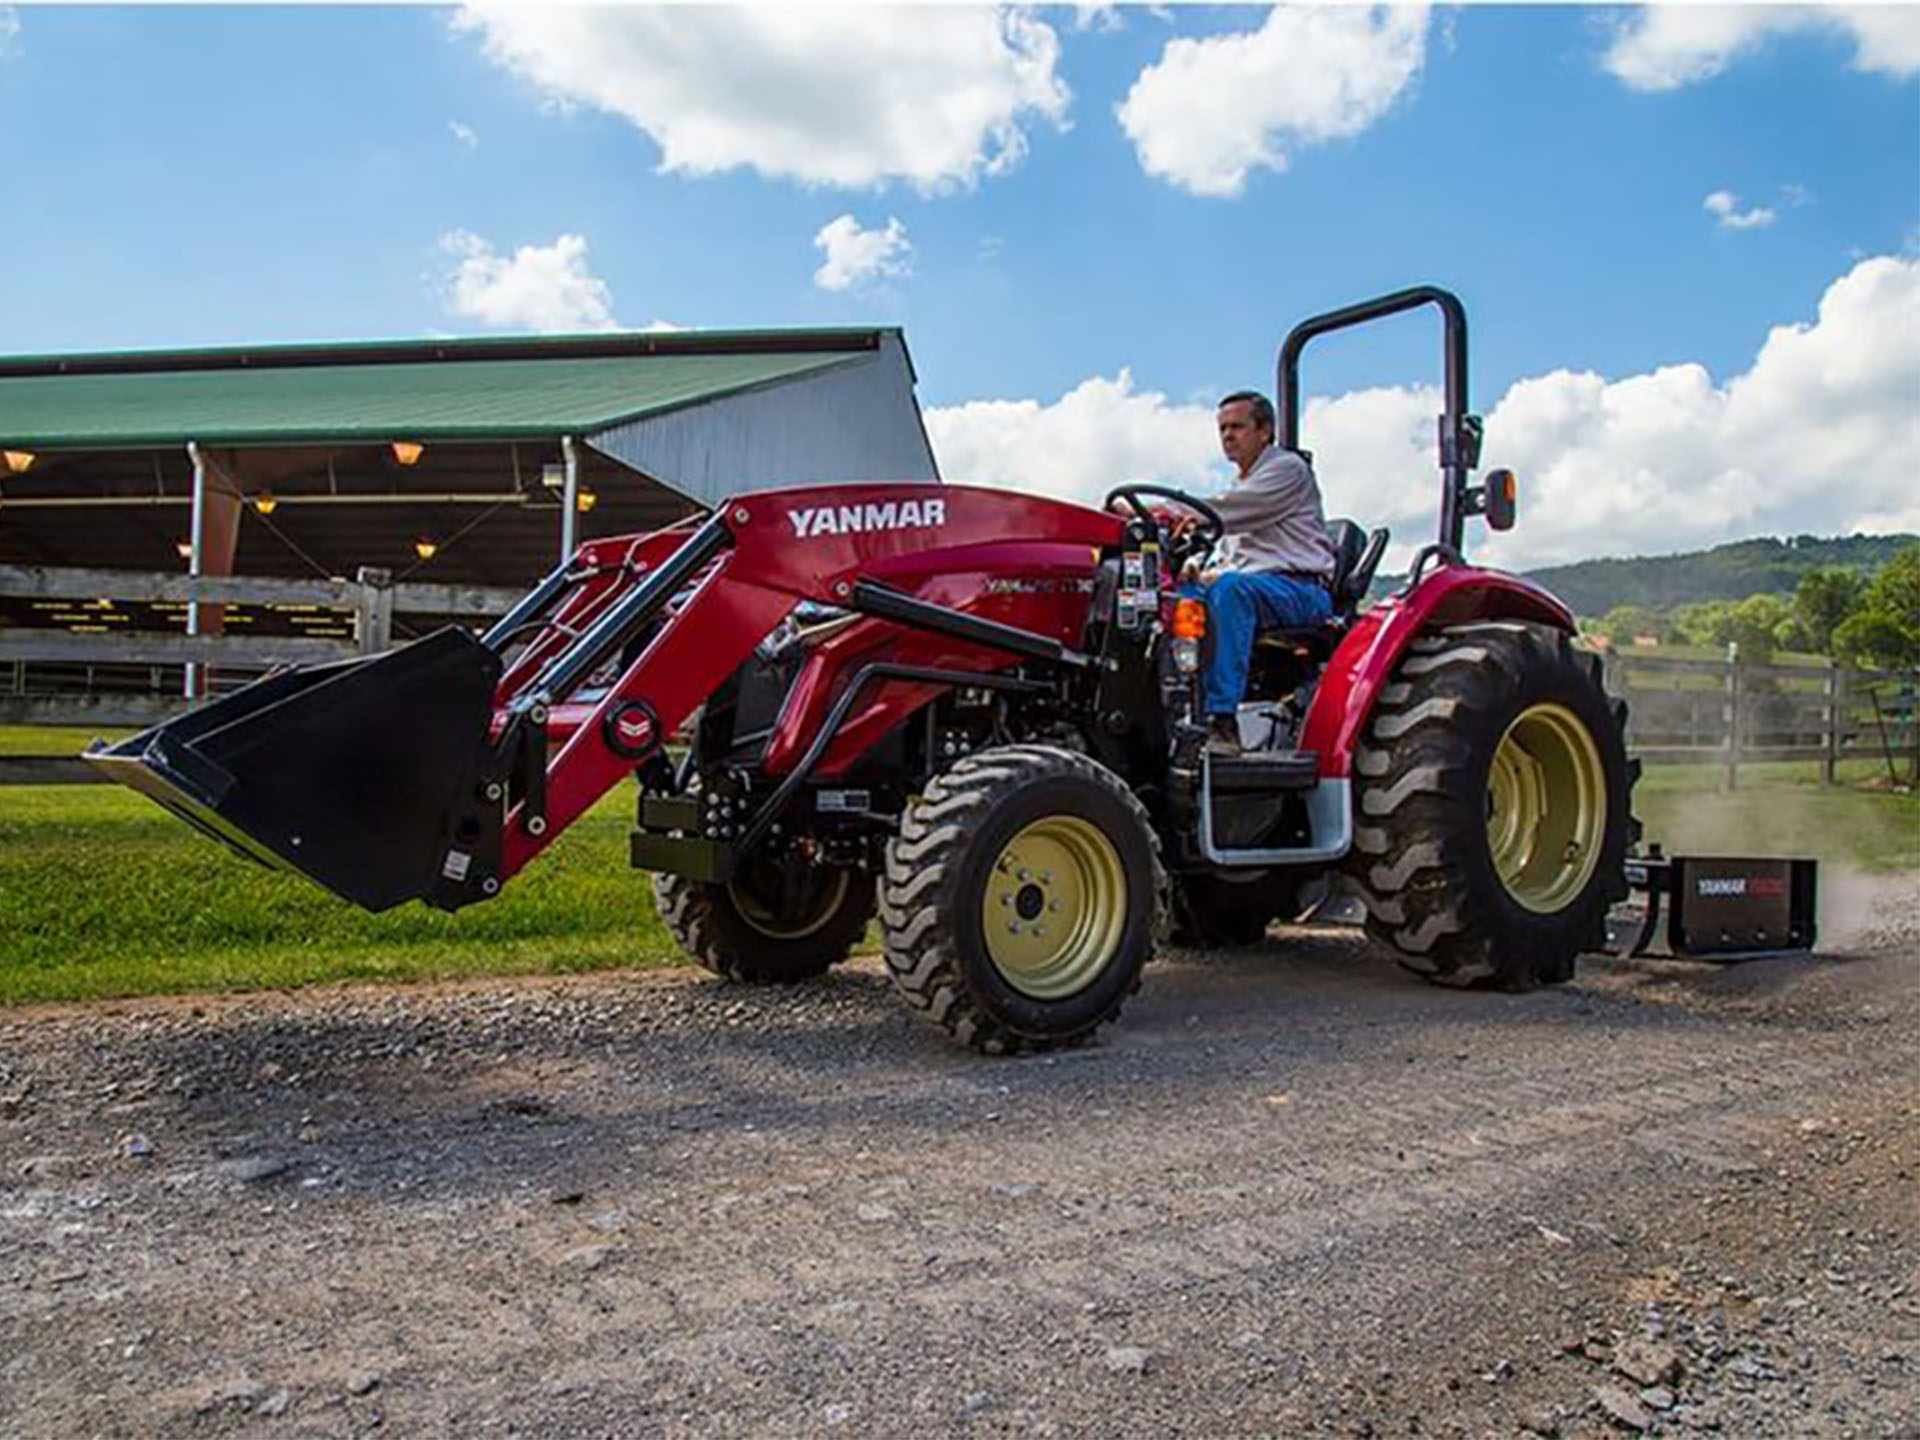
(1356, 555)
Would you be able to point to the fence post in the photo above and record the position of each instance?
(373, 609)
(1910, 693)
(1730, 713)
(1835, 724)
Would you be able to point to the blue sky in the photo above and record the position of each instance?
(199, 176)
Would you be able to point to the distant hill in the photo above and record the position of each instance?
(1726, 572)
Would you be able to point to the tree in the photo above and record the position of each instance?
(1753, 622)
(1885, 630)
(1825, 598)
(1624, 624)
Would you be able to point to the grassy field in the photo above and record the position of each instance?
(50, 740)
(1781, 808)
(102, 893)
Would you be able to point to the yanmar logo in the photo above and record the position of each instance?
(1766, 886)
(859, 519)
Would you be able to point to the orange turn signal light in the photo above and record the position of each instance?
(1189, 619)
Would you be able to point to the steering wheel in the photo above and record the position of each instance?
(1197, 544)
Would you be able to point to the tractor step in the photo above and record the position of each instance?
(1264, 772)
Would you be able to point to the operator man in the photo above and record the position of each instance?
(1273, 566)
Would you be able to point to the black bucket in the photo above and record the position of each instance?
(351, 773)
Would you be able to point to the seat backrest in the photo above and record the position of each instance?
(1356, 555)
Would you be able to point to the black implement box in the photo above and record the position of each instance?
(1724, 907)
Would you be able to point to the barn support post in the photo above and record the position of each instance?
(569, 500)
(212, 540)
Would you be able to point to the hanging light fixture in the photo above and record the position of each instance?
(183, 548)
(425, 548)
(265, 503)
(585, 501)
(20, 461)
(408, 452)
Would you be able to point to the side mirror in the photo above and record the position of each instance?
(1500, 499)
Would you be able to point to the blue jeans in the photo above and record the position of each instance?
(1239, 605)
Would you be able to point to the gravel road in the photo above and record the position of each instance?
(1292, 1193)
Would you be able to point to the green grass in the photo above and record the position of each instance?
(102, 893)
(1781, 808)
(50, 739)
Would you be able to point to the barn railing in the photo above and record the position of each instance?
(64, 677)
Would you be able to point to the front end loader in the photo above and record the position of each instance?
(975, 714)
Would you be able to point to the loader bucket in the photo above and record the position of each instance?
(349, 773)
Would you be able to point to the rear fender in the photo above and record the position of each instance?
(1367, 657)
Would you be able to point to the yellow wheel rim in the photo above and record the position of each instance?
(1546, 808)
(1055, 907)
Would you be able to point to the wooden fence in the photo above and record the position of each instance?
(60, 677)
(1726, 712)
(1703, 711)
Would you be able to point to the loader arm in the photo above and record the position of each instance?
(775, 550)
(424, 773)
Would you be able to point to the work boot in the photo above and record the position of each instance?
(1223, 735)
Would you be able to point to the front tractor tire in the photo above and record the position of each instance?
(772, 924)
(1492, 807)
(1023, 895)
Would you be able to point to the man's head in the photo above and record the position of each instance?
(1246, 427)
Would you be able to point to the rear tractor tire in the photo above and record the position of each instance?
(1022, 897)
(1492, 807)
(771, 924)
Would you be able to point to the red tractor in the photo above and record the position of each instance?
(975, 713)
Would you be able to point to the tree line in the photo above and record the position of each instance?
(1858, 619)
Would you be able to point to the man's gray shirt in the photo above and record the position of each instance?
(1274, 519)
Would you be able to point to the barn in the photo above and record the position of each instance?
(441, 467)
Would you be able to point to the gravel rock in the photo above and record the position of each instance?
(254, 1169)
(588, 1257)
(276, 1403)
(1622, 1407)
(362, 1382)
(1541, 1421)
(1648, 1362)
(1128, 1359)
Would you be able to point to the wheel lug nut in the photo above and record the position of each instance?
(1013, 929)
(1021, 876)
(1006, 900)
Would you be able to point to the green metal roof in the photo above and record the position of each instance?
(370, 392)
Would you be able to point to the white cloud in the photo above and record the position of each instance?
(542, 288)
(936, 95)
(1663, 47)
(856, 256)
(1100, 434)
(1820, 434)
(1104, 18)
(9, 31)
(1726, 205)
(467, 137)
(1210, 111)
